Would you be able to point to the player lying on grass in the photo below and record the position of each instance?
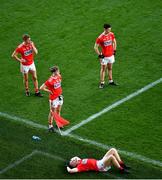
(27, 50)
(53, 87)
(111, 158)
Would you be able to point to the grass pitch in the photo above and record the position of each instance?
(64, 33)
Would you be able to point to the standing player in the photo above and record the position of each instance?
(53, 87)
(107, 43)
(27, 50)
(111, 158)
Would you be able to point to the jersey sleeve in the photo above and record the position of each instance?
(18, 50)
(47, 83)
(81, 168)
(113, 36)
(98, 41)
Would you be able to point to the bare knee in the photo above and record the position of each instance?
(109, 68)
(103, 68)
(112, 150)
(25, 78)
(111, 157)
(34, 78)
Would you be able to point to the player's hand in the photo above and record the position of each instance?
(31, 42)
(101, 56)
(68, 169)
(51, 92)
(114, 52)
(22, 60)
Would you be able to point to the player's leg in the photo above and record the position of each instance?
(115, 153)
(26, 84)
(59, 109)
(111, 160)
(60, 103)
(109, 67)
(25, 70)
(50, 117)
(102, 75)
(35, 80)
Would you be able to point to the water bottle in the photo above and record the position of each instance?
(36, 138)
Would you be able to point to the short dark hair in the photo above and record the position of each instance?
(25, 37)
(106, 26)
(54, 69)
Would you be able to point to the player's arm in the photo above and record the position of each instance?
(34, 48)
(114, 44)
(96, 48)
(43, 87)
(15, 56)
(73, 170)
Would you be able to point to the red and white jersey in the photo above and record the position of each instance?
(87, 165)
(26, 51)
(54, 85)
(106, 43)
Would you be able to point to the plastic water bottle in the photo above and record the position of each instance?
(36, 138)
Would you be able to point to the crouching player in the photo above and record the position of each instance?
(111, 158)
(53, 87)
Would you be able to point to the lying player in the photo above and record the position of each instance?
(111, 158)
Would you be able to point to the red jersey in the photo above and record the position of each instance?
(106, 43)
(26, 51)
(54, 85)
(87, 165)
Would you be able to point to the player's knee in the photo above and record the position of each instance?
(111, 157)
(103, 69)
(34, 78)
(110, 68)
(25, 79)
(113, 150)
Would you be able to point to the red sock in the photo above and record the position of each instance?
(36, 90)
(121, 163)
(121, 168)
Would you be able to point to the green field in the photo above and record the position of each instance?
(64, 33)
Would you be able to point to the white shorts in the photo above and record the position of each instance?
(107, 60)
(25, 69)
(101, 166)
(56, 102)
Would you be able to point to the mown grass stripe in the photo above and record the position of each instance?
(114, 105)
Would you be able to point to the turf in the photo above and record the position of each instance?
(19, 137)
(64, 33)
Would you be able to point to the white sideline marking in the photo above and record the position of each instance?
(103, 146)
(50, 155)
(25, 121)
(16, 163)
(126, 153)
(114, 105)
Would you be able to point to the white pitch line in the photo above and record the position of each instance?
(97, 144)
(132, 155)
(50, 155)
(16, 163)
(114, 105)
(22, 120)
